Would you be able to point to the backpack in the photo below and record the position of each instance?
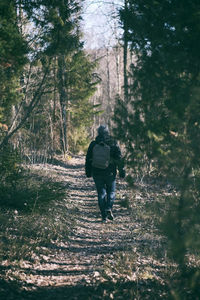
(101, 156)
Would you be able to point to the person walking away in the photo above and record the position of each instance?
(103, 160)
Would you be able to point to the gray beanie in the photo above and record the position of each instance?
(103, 130)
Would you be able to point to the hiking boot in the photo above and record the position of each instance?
(110, 215)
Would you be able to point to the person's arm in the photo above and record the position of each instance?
(119, 161)
(88, 160)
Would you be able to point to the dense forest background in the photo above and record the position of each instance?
(54, 92)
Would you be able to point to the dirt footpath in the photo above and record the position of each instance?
(122, 259)
(91, 245)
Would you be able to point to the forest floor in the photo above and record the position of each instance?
(122, 259)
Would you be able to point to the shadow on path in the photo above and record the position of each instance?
(102, 291)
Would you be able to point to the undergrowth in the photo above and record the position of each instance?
(30, 191)
(32, 217)
(147, 271)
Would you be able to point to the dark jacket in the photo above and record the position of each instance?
(116, 158)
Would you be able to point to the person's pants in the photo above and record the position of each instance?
(105, 186)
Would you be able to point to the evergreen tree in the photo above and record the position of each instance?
(52, 32)
(13, 50)
(161, 120)
(59, 24)
(46, 123)
(82, 81)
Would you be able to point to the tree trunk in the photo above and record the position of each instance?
(63, 102)
(108, 108)
(125, 54)
(117, 60)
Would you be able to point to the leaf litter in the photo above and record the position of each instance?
(122, 258)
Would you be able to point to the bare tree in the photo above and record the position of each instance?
(24, 112)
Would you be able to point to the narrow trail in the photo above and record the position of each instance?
(122, 259)
(91, 244)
